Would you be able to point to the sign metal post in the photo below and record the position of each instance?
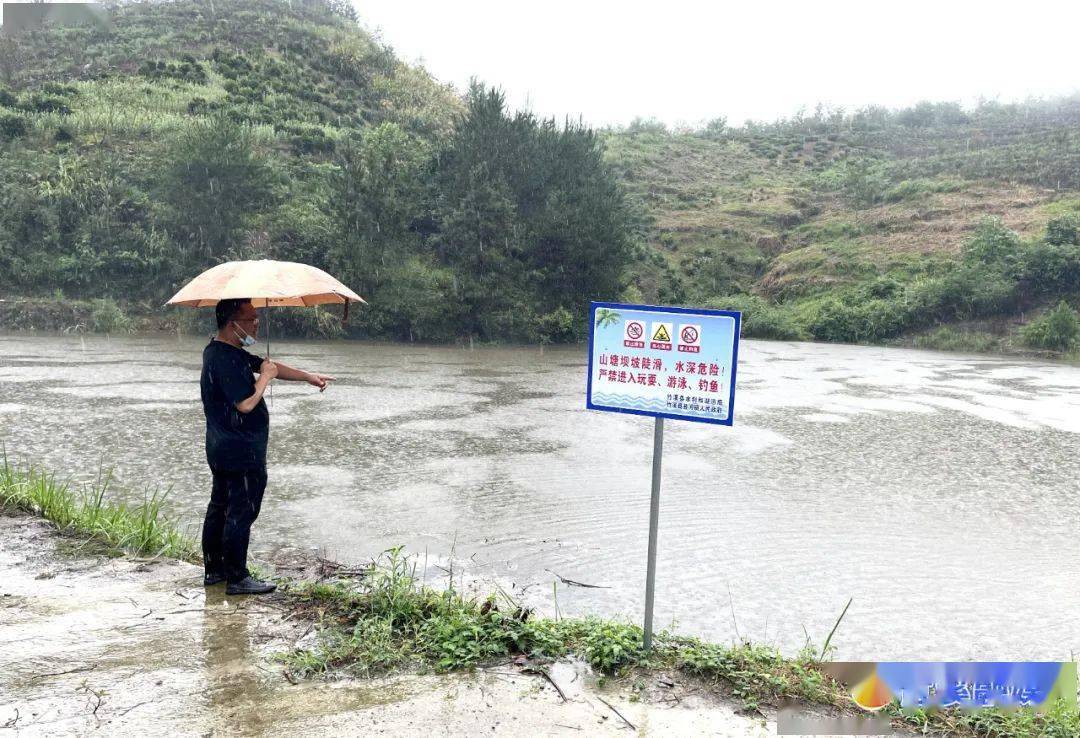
(654, 520)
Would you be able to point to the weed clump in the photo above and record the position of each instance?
(108, 317)
(948, 338)
(1058, 330)
(761, 319)
(136, 528)
(391, 620)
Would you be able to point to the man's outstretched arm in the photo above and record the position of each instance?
(299, 375)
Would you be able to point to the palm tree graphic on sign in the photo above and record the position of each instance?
(606, 317)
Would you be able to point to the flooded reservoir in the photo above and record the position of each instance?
(940, 492)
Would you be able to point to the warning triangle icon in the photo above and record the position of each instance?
(662, 335)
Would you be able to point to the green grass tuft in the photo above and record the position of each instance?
(137, 529)
(948, 338)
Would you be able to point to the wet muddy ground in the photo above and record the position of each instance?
(92, 644)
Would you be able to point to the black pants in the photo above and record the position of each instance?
(234, 504)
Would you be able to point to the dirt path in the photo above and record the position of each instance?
(122, 646)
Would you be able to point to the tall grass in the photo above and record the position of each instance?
(135, 528)
(948, 338)
(390, 619)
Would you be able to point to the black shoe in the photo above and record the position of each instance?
(210, 579)
(249, 586)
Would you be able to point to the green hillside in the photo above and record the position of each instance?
(868, 226)
(185, 133)
(137, 154)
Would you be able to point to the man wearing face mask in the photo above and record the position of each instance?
(237, 429)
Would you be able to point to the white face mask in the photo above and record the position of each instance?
(245, 340)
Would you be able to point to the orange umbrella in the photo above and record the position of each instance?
(266, 283)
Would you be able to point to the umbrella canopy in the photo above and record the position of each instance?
(267, 283)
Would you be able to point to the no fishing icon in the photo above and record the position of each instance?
(690, 338)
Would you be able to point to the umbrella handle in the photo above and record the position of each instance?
(268, 350)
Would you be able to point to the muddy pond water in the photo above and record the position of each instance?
(940, 492)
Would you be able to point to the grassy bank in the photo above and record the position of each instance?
(139, 529)
(106, 316)
(67, 315)
(387, 620)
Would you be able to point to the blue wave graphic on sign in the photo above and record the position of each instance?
(630, 401)
(646, 405)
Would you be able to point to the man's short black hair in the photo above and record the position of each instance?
(227, 309)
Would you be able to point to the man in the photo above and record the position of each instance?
(237, 428)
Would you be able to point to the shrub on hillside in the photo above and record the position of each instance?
(1057, 330)
(882, 288)
(42, 103)
(306, 139)
(1050, 268)
(1064, 230)
(993, 244)
(12, 126)
(195, 322)
(647, 125)
(948, 338)
(556, 326)
(871, 320)
(199, 106)
(926, 114)
(863, 181)
(835, 321)
(186, 70)
(416, 302)
(716, 127)
(107, 317)
(59, 89)
(961, 294)
(314, 322)
(910, 189)
(516, 323)
(761, 319)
